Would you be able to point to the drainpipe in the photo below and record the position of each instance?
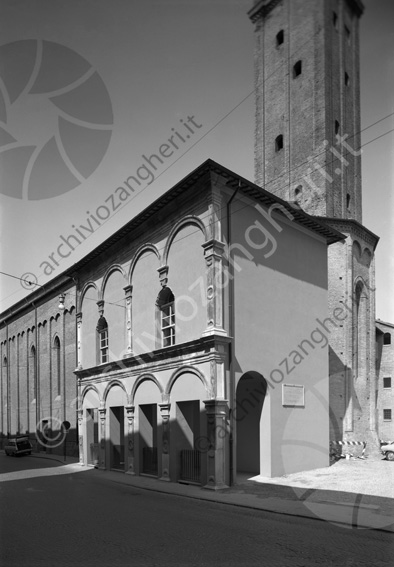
(231, 329)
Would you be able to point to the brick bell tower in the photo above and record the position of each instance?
(307, 151)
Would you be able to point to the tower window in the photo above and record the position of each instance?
(279, 143)
(347, 79)
(297, 69)
(387, 339)
(280, 37)
(387, 415)
(387, 382)
(347, 34)
(336, 127)
(335, 20)
(347, 200)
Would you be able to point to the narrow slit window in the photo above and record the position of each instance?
(279, 143)
(347, 200)
(297, 69)
(347, 34)
(337, 125)
(347, 80)
(335, 20)
(280, 37)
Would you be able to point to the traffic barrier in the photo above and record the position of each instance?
(351, 443)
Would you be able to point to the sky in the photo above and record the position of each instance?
(101, 85)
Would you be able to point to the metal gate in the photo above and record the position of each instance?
(190, 465)
(149, 460)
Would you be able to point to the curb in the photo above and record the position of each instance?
(353, 516)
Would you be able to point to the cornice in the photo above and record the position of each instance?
(261, 9)
(351, 227)
(158, 359)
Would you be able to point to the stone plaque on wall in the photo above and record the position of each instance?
(293, 395)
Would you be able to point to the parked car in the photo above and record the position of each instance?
(18, 446)
(388, 451)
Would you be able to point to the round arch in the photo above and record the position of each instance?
(143, 378)
(189, 370)
(108, 273)
(185, 221)
(147, 247)
(110, 385)
(252, 422)
(356, 249)
(84, 291)
(87, 389)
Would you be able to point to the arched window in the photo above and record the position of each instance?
(102, 335)
(280, 36)
(279, 143)
(166, 303)
(56, 365)
(387, 339)
(297, 69)
(34, 373)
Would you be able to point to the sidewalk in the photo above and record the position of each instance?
(356, 494)
(353, 507)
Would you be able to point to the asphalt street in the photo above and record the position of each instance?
(81, 518)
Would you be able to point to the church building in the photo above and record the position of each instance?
(230, 326)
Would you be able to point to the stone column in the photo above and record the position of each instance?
(213, 252)
(79, 344)
(129, 331)
(218, 444)
(102, 413)
(80, 436)
(165, 455)
(130, 442)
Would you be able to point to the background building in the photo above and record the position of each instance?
(307, 151)
(385, 372)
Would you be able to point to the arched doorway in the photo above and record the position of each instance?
(252, 423)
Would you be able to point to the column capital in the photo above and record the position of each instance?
(100, 305)
(213, 246)
(128, 289)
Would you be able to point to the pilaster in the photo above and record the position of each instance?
(80, 436)
(165, 455)
(213, 252)
(102, 414)
(79, 342)
(130, 443)
(218, 436)
(129, 330)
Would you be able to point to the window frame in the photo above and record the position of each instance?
(387, 414)
(103, 346)
(167, 323)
